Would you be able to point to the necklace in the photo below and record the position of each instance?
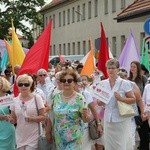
(25, 98)
(68, 97)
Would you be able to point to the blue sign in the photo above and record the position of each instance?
(147, 26)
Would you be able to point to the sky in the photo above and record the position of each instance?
(2, 7)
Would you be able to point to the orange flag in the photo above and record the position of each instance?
(9, 51)
(89, 64)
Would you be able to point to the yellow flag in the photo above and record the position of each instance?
(9, 50)
(89, 64)
(18, 54)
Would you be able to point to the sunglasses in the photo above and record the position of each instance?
(66, 80)
(42, 75)
(8, 74)
(23, 84)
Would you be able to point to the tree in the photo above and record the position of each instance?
(20, 10)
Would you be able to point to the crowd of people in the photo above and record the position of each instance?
(60, 103)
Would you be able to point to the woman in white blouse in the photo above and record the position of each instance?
(117, 129)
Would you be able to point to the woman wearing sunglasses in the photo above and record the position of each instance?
(69, 108)
(7, 130)
(25, 114)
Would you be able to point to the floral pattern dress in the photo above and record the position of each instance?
(68, 125)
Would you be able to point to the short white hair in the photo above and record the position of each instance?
(41, 71)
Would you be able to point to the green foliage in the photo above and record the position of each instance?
(20, 10)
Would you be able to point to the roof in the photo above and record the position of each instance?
(139, 10)
(52, 4)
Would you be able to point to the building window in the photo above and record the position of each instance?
(73, 14)
(123, 4)
(46, 21)
(64, 49)
(68, 16)
(51, 51)
(114, 46)
(123, 40)
(64, 17)
(83, 11)
(69, 52)
(54, 49)
(89, 46)
(113, 5)
(78, 13)
(50, 18)
(89, 10)
(79, 49)
(106, 6)
(96, 8)
(84, 47)
(53, 21)
(60, 51)
(73, 48)
(59, 19)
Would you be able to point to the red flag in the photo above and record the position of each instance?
(103, 52)
(37, 57)
(61, 58)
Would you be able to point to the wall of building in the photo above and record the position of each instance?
(71, 36)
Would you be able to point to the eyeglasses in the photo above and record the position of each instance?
(23, 84)
(42, 75)
(66, 80)
(122, 70)
(7, 74)
(111, 68)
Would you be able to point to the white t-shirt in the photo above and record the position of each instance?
(26, 132)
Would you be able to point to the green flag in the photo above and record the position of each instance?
(145, 55)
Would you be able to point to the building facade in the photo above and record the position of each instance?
(75, 21)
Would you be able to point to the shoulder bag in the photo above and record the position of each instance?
(93, 130)
(42, 141)
(125, 110)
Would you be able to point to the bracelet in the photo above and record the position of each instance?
(99, 123)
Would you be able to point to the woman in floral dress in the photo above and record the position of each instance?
(69, 108)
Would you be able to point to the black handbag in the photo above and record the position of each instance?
(93, 130)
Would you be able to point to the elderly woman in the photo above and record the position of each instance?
(44, 82)
(25, 113)
(7, 130)
(69, 108)
(117, 129)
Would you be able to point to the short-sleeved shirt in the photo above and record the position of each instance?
(27, 132)
(111, 113)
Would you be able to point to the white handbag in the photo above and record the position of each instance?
(125, 110)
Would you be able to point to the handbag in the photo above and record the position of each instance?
(43, 144)
(125, 110)
(93, 130)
